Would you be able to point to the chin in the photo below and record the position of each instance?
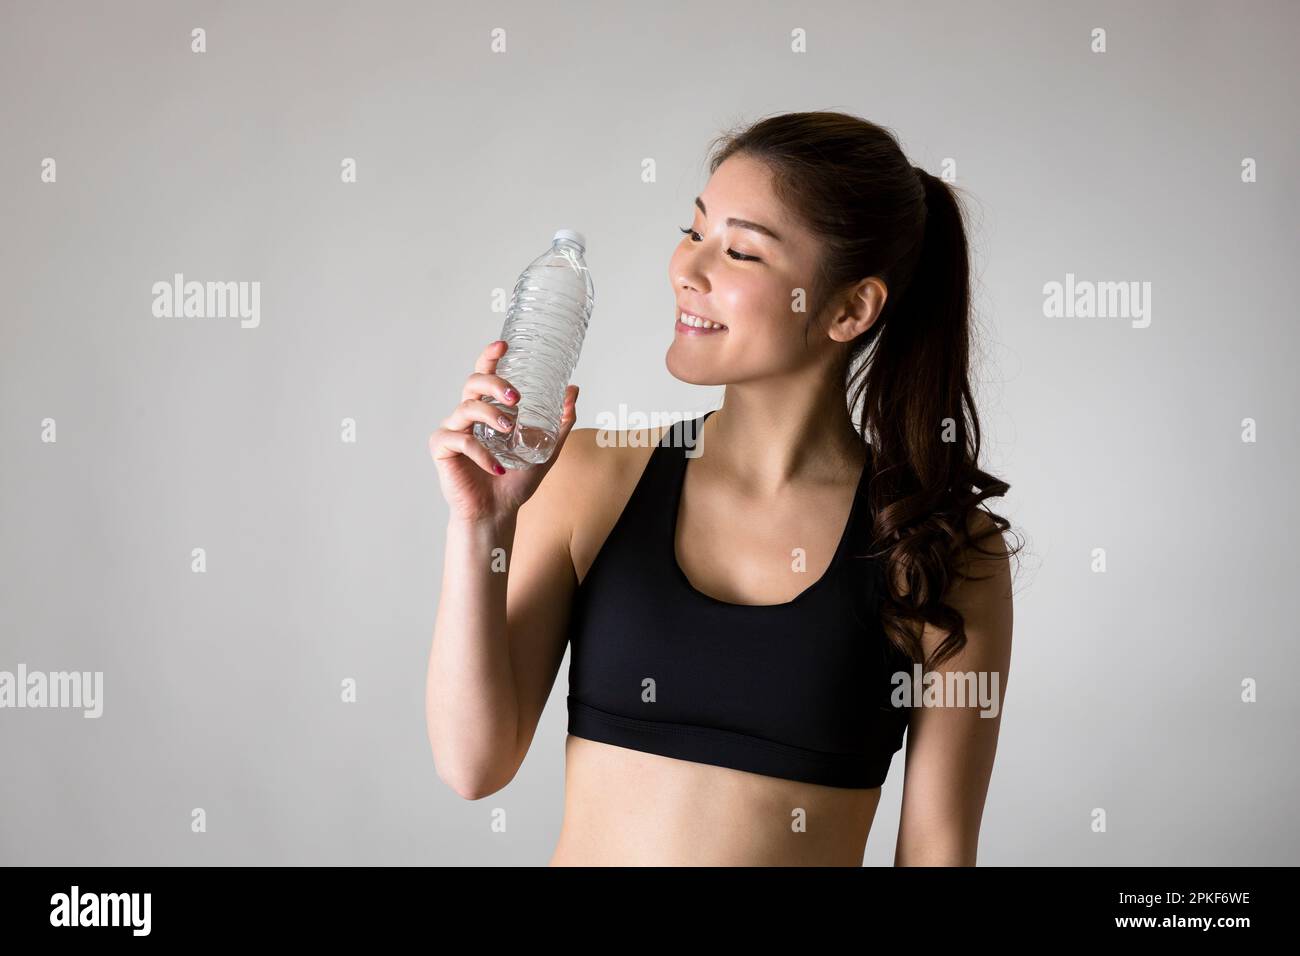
(692, 373)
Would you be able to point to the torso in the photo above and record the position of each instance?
(626, 807)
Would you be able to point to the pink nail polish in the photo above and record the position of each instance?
(496, 466)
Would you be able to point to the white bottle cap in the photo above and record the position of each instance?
(573, 235)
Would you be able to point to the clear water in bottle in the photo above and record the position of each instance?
(544, 328)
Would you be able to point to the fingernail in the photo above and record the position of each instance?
(511, 394)
(496, 466)
(505, 422)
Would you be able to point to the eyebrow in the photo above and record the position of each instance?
(741, 223)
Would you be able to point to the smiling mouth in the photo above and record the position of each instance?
(696, 323)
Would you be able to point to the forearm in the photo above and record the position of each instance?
(470, 701)
(958, 847)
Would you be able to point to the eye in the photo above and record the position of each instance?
(738, 256)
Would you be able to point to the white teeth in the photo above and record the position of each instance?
(697, 322)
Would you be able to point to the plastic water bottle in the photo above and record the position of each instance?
(544, 328)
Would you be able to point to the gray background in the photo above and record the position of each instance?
(324, 558)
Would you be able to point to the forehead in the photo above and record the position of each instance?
(742, 187)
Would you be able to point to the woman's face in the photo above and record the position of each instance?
(761, 301)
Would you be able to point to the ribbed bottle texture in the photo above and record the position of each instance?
(545, 326)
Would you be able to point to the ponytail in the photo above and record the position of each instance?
(878, 215)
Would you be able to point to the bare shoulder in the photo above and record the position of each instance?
(987, 555)
(984, 565)
(597, 470)
(592, 458)
(981, 593)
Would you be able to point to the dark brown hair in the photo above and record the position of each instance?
(876, 214)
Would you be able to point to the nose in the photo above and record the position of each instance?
(687, 276)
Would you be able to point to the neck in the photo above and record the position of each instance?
(767, 439)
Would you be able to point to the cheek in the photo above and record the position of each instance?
(764, 301)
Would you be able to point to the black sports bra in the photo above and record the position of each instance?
(798, 690)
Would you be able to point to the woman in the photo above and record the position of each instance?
(764, 572)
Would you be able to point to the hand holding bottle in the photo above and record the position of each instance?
(477, 487)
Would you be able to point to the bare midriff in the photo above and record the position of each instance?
(624, 807)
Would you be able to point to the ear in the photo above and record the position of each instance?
(859, 309)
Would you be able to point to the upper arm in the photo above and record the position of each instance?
(950, 749)
(541, 581)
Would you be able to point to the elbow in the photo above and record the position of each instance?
(471, 780)
(467, 788)
(471, 768)
(467, 785)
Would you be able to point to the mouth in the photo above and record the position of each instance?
(689, 324)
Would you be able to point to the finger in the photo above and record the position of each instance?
(487, 383)
(444, 444)
(488, 358)
(567, 419)
(471, 410)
